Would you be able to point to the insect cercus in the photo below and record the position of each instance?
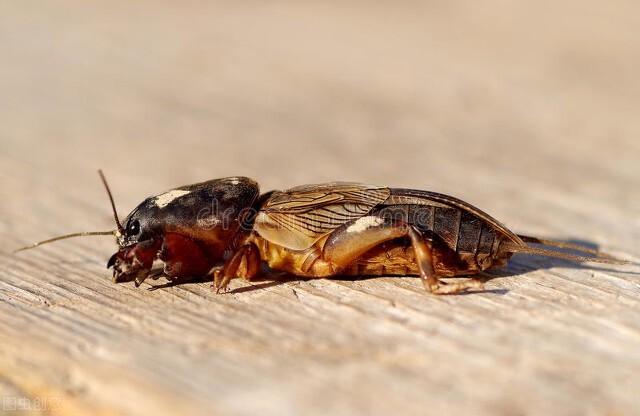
(225, 228)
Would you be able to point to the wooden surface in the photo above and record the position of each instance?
(528, 111)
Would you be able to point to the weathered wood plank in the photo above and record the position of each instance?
(527, 113)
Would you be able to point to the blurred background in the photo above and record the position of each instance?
(527, 109)
(475, 99)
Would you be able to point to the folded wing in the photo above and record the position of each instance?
(300, 216)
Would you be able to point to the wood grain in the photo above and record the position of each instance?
(528, 112)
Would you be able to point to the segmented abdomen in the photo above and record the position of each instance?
(474, 241)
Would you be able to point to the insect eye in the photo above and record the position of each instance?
(133, 228)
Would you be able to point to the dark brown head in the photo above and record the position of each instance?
(201, 217)
(188, 228)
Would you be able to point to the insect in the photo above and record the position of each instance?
(225, 228)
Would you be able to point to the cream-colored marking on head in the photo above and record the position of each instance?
(235, 181)
(164, 199)
(363, 223)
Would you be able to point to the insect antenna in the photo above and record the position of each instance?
(120, 229)
(113, 205)
(62, 237)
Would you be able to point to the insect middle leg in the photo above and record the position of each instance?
(244, 263)
(349, 242)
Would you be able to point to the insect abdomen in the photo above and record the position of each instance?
(474, 241)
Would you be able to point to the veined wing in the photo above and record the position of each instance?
(300, 216)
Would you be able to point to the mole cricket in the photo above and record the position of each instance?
(225, 229)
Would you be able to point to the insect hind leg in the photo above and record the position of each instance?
(424, 258)
(349, 242)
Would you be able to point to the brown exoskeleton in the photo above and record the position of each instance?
(225, 228)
